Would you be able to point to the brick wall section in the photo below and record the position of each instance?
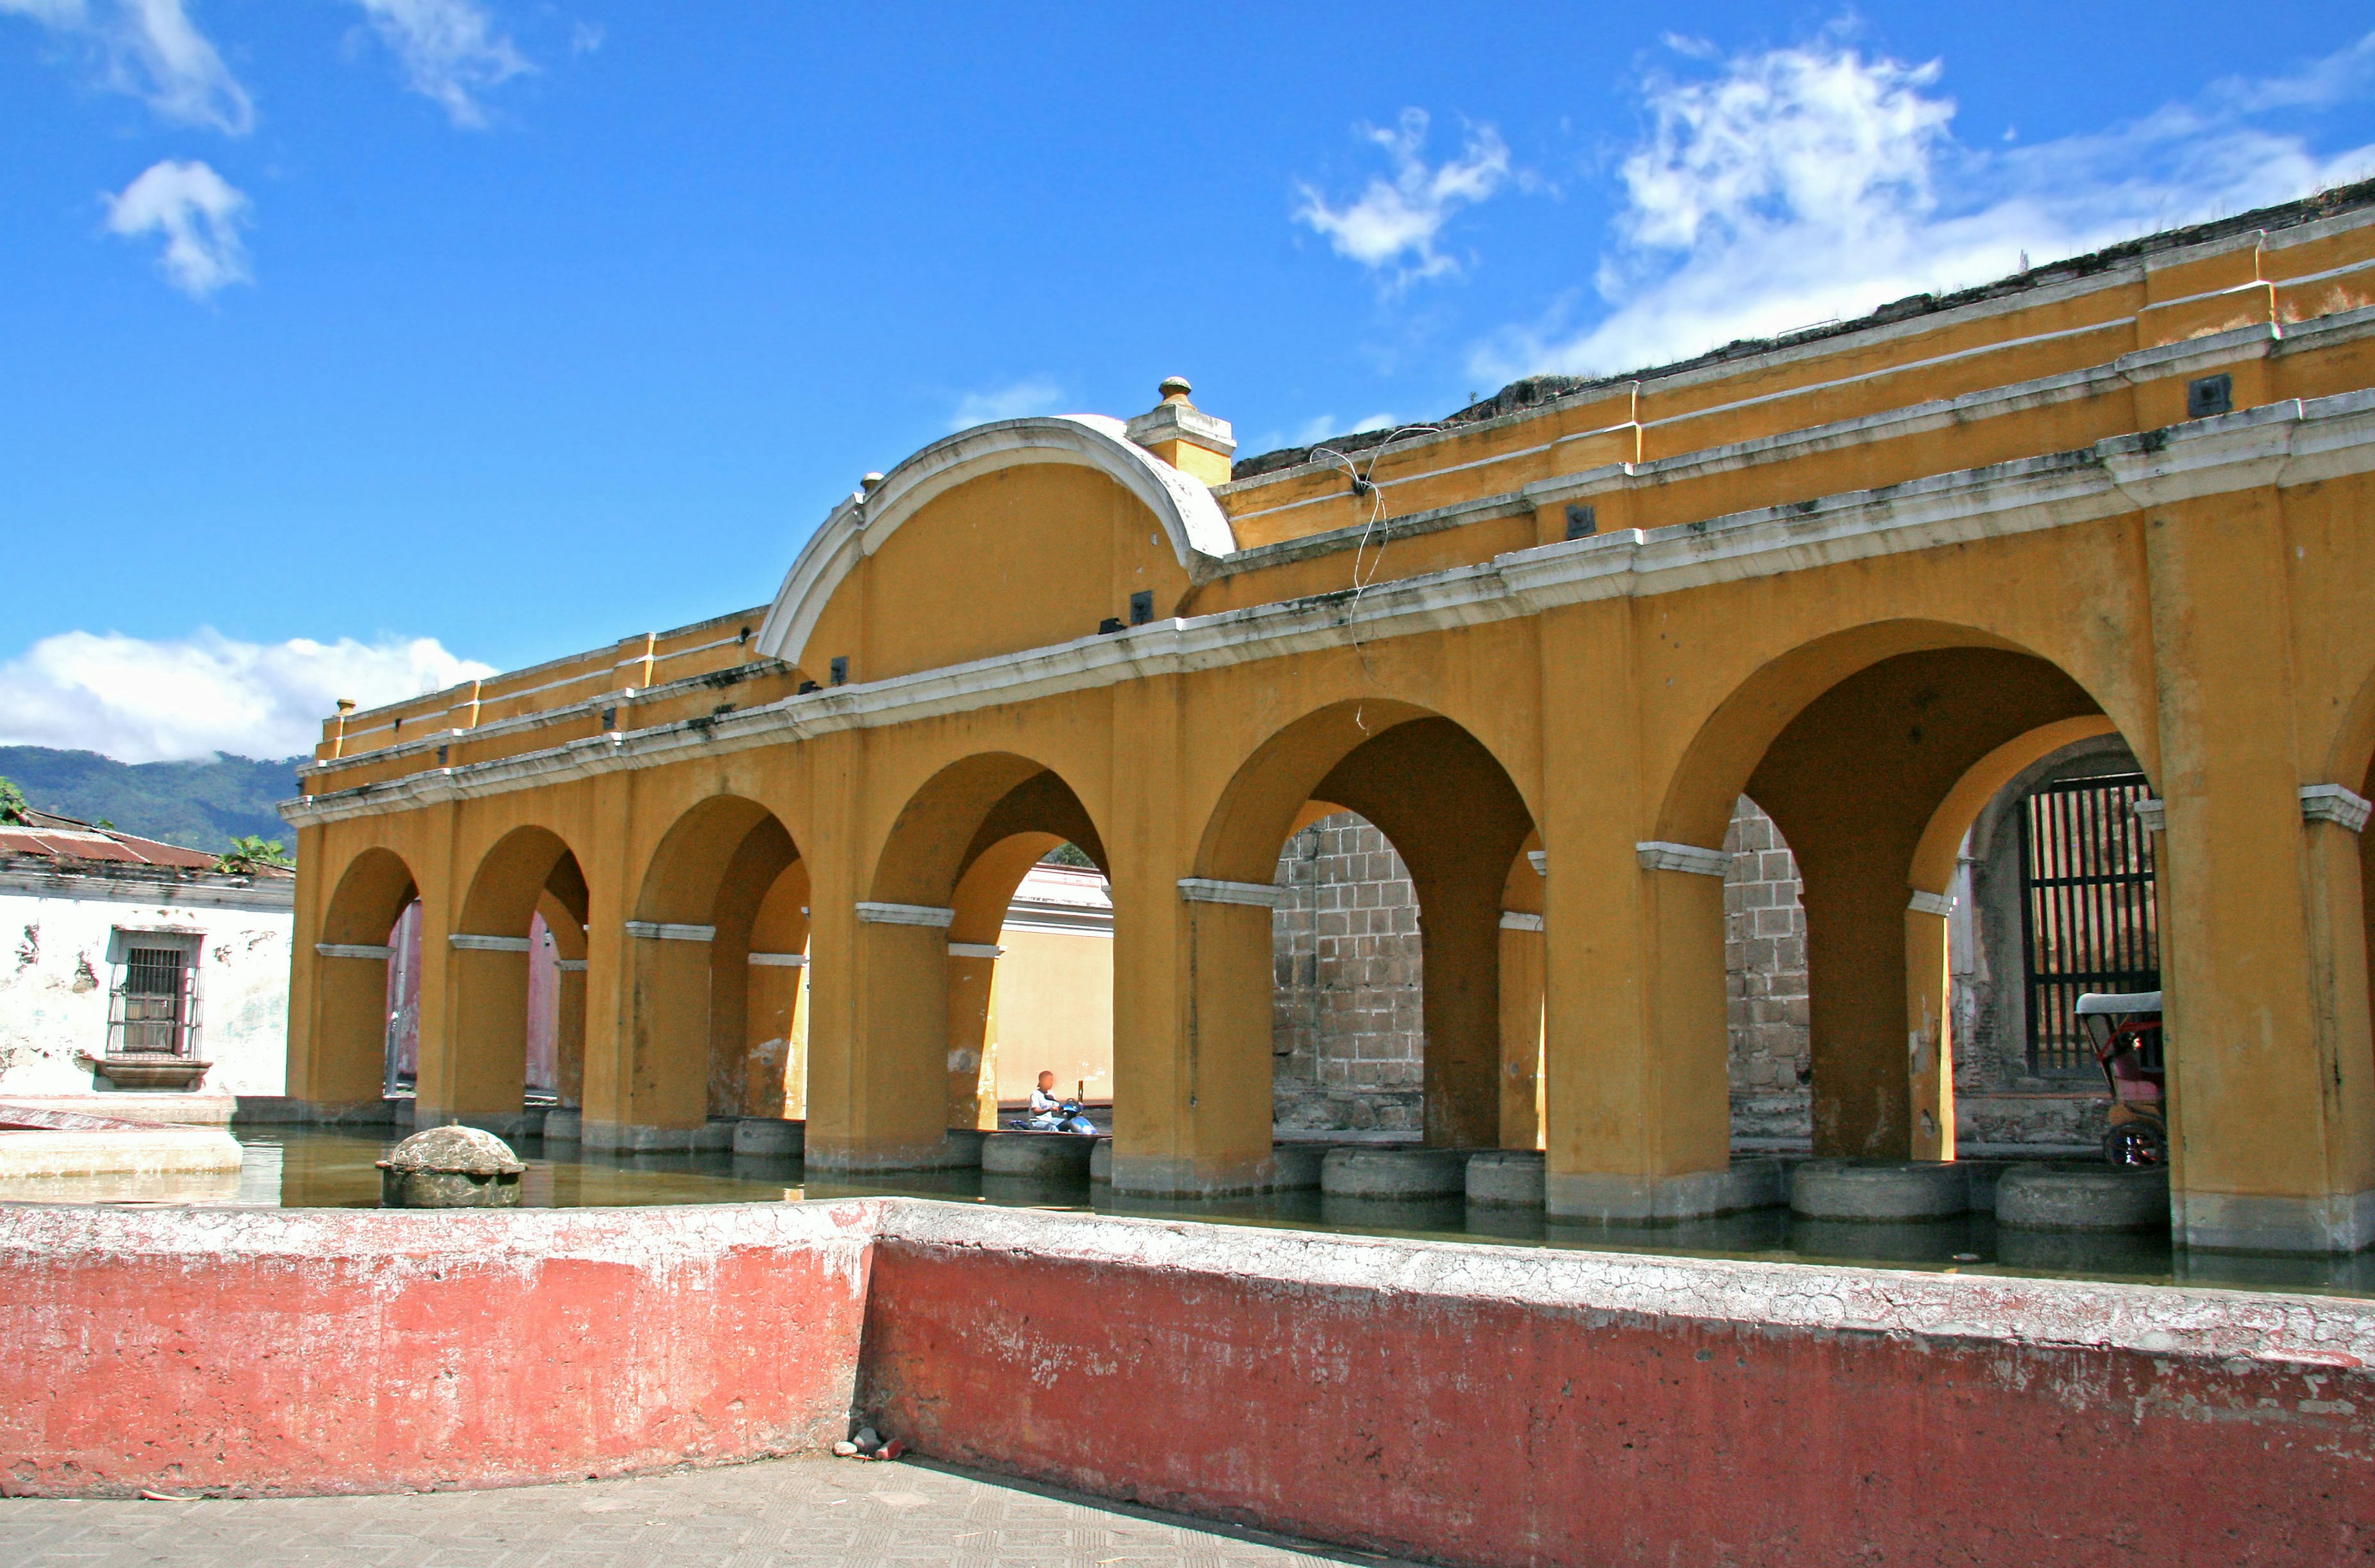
(1349, 1043)
(1765, 981)
(1346, 1026)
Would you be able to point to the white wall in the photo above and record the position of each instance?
(54, 978)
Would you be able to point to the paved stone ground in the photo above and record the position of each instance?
(814, 1511)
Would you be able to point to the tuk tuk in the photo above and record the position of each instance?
(2124, 1031)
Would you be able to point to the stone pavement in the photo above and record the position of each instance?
(782, 1512)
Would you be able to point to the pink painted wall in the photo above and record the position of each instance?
(1462, 1403)
(322, 1351)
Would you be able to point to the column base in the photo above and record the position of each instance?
(1171, 1175)
(1664, 1201)
(505, 1125)
(634, 1137)
(2332, 1225)
(950, 1153)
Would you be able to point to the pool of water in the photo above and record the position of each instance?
(323, 1168)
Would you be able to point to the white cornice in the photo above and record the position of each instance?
(2290, 442)
(1659, 855)
(907, 915)
(1258, 895)
(1199, 531)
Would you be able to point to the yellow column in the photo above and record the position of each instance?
(1638, 1105)
(1192, 981)
(1929, 1036)
(1521, 1033)
(2267, 1059)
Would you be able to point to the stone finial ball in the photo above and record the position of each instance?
(459, 1151)
(450, 1168)
(1174, 387)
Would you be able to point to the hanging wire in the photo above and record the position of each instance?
(1366, 487)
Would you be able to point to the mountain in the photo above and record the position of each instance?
(199, 805)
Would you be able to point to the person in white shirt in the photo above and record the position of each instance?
(1049, 1113)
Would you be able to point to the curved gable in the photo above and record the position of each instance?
(1022, 528)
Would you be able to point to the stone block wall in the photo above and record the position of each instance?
(1349, 1042)
(1346, 1029)
(1765, 981)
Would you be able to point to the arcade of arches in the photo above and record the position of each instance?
(2112, 518)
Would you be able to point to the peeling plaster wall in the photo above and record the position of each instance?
(54, 977)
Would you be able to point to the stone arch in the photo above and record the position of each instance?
(1870, 749)
(474, 1071)
(1460, 824)
(688, 1057)
(940, 884)
(346, 1062)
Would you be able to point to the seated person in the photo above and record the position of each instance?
(1049, 1113)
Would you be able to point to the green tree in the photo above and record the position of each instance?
(12, 802)
(250, 854)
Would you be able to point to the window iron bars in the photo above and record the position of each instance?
(153, 1010)
(2089, 918)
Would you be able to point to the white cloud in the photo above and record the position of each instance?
(198, 213)
(452, 51)
(1392, 225)
(1033, 395)
(151, 49)
(1791, 186)
(146, 702)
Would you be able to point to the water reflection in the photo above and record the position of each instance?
(329, 1168)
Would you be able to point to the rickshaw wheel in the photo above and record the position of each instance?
(2136, 1146)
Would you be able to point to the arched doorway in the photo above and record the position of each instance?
(926, 937)
(1458, 823)
(474, 1071)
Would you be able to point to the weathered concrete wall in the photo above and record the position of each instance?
(1466, 1404)
(1498, 1406)
(325, 1350)
(54, 977)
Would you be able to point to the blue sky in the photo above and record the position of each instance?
(349, 346)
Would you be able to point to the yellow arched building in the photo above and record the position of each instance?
(1865, 575)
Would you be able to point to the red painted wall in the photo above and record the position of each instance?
(1499, 1431)
(1467, 1404)
(327, 1350)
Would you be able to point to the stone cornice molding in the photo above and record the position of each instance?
(2286, 444)
(1256, 895)
(2333, 802)
(1199, 531)
(1657, 854)
(1930, 904)
(779, 960)
(1517, 920)
(975, 950)
(463, 941)
(670, 931)
(907, 915)
(376, 950)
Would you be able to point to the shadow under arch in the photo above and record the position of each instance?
(710, 1033)
(345, 1061)
(1459, 823)
(925, 960)
(1870, 748)
(473, 1069)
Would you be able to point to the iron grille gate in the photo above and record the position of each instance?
(2088, 919)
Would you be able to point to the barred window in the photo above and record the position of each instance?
(154, 1007)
